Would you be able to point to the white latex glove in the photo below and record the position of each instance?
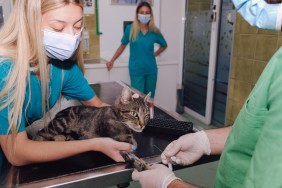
(158, 176)
(187, 149)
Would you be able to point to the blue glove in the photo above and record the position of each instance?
(260, 14)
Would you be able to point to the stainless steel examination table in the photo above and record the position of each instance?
(93, 169)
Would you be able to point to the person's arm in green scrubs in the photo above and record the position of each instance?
(217, 138)
(184, 151)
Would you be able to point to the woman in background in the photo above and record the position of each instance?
(40, 61)
(251, 148)
(142, 35)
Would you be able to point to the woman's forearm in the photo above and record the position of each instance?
(27, 151)
(95, 101)
(118, 52)
(159, 51)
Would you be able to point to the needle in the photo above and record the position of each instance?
(168, 163)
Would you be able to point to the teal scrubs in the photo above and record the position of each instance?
(142, 60)
(252, 156)
(73, 86)
(145, 83)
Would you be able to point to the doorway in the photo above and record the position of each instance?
(207, 53)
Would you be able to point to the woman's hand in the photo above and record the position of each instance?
(95, 101)
(112, 148)
(119, 51)
(109, 65)
(29, 151)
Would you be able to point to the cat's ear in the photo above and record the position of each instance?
(126, 95)
(147, 98)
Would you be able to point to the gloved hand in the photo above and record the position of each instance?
(187, 149)
(158, 176)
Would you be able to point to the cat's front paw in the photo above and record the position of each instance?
(132, 159)
(38, 138)
(133, 142)
(59, 138)
(126, 138)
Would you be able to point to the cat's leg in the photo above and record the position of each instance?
(59, 138)
(137, 163)
(38, 138)
(42, 135)
(126, 138)
(58, 129)
(49, 135)
(70, 137)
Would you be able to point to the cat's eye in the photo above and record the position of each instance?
(134, 114)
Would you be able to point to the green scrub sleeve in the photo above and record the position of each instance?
(266, 164)
(252, 153)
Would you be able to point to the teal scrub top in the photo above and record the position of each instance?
(74, 86)
(142, 60)
(252, 155)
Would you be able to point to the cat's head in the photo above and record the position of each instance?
(134, 109)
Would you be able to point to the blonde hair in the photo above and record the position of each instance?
(135, 25)
(21, 41)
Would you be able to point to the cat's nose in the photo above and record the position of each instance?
(144, 121)
(141, 124)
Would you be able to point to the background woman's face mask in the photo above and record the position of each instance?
(144, 18)
(60, 45)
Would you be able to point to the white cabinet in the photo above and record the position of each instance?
(96, 73)
(120, 74)
(166, 92)
(165, 95)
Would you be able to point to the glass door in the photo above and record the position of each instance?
(225, 42)
(200, 49)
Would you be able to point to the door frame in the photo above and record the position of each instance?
(212, 65)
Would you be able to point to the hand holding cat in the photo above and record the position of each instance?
(157, 176)
(187, 149)
(112, 148)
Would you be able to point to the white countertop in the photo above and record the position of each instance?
(121, 63)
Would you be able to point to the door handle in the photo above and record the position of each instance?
(213, 15)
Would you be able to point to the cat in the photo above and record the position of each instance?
(130, 112)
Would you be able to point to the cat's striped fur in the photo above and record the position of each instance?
(129, 112)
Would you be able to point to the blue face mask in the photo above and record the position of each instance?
(60, 45)
(144, 18)
(260, 14)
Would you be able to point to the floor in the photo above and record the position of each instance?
(201, 175)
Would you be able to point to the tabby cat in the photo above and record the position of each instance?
(129, 112)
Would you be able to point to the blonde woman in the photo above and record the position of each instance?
(40, 60)
(142, 35)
